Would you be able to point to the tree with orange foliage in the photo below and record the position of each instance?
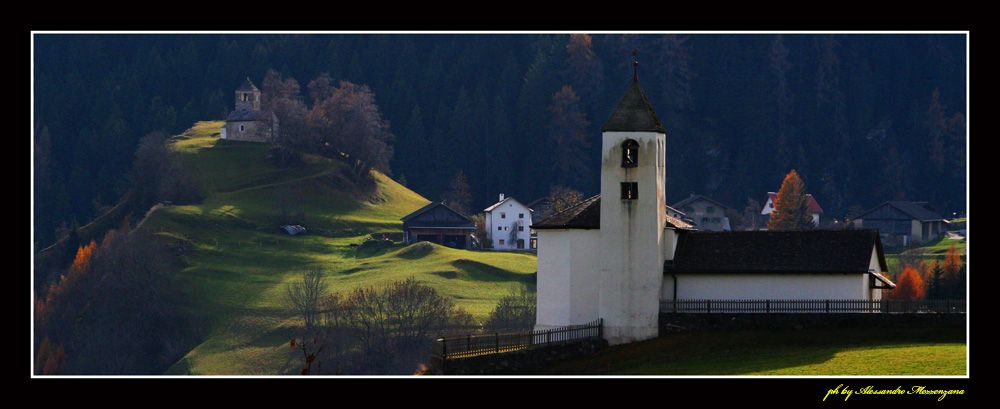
(953, 279)
(791, 207)
(909, 285)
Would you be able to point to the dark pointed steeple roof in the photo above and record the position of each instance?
(247, 86)
(633, 113)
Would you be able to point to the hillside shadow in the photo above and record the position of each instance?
(480, 271)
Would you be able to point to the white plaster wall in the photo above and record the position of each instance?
(768, 286)
(567, 277)
(493, 219)
(631, 233)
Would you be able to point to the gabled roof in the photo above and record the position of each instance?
(917, 210)
(583, 215)
(505, 200)
(248, 115)
(633, 113)
(809, 251)
(247, 85)
(694, 198)
(432, 205)
(810, 201)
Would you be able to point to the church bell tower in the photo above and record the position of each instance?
(633, 210)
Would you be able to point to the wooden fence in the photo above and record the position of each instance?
(480, 344)
(812, 306)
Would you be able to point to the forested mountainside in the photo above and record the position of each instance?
(863, 118)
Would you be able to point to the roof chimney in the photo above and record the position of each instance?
(501, 197)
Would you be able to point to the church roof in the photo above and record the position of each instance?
(810, 251)
(634, 113)
(583, 215)
(247, 86)
(248, 115)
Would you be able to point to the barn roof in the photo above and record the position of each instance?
(917, 210)
(466, 219)
(810, 251)
(633, 113)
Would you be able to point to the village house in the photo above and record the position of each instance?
(903, 223)
(814, 209)
(438, 223)
(616, 255)
(707, 214)
(508, 225)
(248, 122)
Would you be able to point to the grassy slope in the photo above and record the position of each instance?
(832, 352)
(239, 262)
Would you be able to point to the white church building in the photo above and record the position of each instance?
(614, 256)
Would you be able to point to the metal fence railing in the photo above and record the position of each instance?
(480, 344)
(812, 306)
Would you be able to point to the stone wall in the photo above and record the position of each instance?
(680, 322)
(516, 362)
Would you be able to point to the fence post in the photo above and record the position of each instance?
(767, 307)
(709, 306)
(497, 334)
(827, 306)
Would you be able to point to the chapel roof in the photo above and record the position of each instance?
(809, 251)
(633, 113)
(583, 215)
(247, 85)
(248, 115)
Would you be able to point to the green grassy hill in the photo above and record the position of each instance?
(237, 261)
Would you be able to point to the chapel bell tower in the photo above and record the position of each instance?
(633, 210)
(247, 97)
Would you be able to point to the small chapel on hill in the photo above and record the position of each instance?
(615, 255)
(248, 122)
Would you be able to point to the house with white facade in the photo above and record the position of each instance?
(706, 213)
(508, 224)
(814, 209)
(616, 255)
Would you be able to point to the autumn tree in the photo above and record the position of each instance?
(568, 137)
(791, 207)
(909, 285)
(562, 198)
(457, 196)
(953, 279)
(350, 128)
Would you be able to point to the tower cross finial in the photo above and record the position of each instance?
(635, 65)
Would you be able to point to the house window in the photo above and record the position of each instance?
(499, 228)
(501, 242)
(520, 228)
(520, 243)
(242, 128)
(503, 215)
(630, 190)
(710, 209)
(520, 215)
(630, 154)
(534, 243)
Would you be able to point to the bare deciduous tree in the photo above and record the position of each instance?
(306, 295)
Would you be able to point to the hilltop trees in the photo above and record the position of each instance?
(791, 208)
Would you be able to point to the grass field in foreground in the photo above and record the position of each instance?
(237, 261)
(819, 352)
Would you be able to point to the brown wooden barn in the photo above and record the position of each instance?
(438, 223)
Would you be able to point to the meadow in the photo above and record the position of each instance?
(237, 261)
